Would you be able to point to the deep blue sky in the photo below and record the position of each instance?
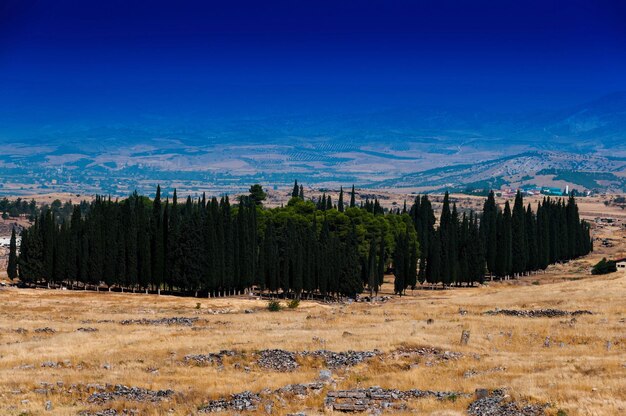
(82, 63)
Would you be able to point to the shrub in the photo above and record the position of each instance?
(293, 304)
(274, 306)
(561, 412)
(198, 305)
(604, 266)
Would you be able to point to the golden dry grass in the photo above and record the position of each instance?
(577, 373)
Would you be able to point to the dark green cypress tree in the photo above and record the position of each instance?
(74, 251)
(301, 195)
(506, 242)
(531, 240)
(372, 275)
(382, 261)
(157, 254)
(12, 263)
(519, 240)
(295, 193)
(453, 240)
(340, 202)
(444, 239)
(352, 198)
(488, 231)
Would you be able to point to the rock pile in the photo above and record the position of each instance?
(278, 360)
(136, 394)
(427, 352)
(236, 402)
(87, 329)
(110, 412)
(176, 320)
(341, 359)
(376, 398)
(472, 372)
(45, 330)
(301, 389)
(210, 358)
(494, 404)
(381, 299)
(537, 313)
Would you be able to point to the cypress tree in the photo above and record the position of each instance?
(295, 193)
(340, 202)
(519, 240)
(12, 263)
(157, 254)
(488, 231)
(352, 198)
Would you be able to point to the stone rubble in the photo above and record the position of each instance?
(86, 329)
(427, 352)
(236, 402)
(210, 358)
(341, 359)
(277, 360)
(494, 404)
(137, 394)
(537, 313)
(376, 398)
(110, 412)
(176, 320)
(45, 330)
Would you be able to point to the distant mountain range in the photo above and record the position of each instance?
(421, 148)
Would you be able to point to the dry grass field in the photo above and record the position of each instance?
(580, 370)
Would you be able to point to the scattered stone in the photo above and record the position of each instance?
(319, 340)
(493, 404)
(426, 352)
(472, 373)
(248, 311)
(110, 412)
(300, 389)
(537, 313)
(177, 320)
(347, 334)
(48, 406)
(278, 360)
(87, 329)
(608, 345)
(206, 359)
(374, 399)
(381, 299)
(50, 364)
(237, 402)
(106, 366)
(462, 312)
(21, 330)
(430, 321)
(481, 393)
(546, 342)
(465, 336)
(341, 359)
(137, 394)
(325, 375)
(45, 330)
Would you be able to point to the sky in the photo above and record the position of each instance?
(88, 63)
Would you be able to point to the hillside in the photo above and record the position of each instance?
(421, 147)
